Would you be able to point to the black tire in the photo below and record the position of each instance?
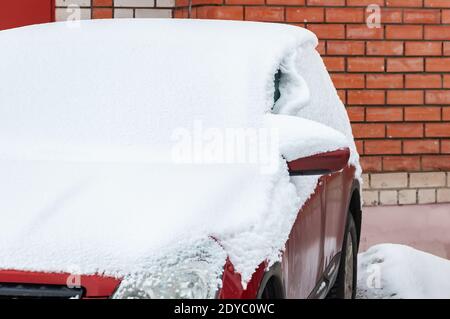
(348, 264)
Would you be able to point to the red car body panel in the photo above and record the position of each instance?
(337, 199)
(302, 263)
(95, 286)
(329, 161)
(232, 283)
(15, 14)
(315, 238)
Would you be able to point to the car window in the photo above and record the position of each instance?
(277, 93)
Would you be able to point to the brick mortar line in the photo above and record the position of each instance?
(265, 4)
(408, 188)
(403, 8)
(138, 8)
(416, 155)
(385, 23)
(398, 73)
(405, 155)
(398, 122)
(81, 7)
(129, 7)
(446, 172)
(406, 24)
(399, 56)
(116, 7)
(394, 90)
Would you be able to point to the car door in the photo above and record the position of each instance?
(303, 258)
(336, 200)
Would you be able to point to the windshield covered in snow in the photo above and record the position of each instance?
(76, 95)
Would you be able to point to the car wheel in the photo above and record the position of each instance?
(345, 285)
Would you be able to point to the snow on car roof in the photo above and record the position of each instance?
(134, 81)
(81, 107)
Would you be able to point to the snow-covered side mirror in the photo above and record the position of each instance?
(309, 147)
(320, 164)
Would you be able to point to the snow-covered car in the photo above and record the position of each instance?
(174, 159)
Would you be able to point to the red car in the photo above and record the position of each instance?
(101, 218)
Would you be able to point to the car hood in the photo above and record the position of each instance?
(105, 217)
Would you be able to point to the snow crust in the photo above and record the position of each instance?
(87, 116)
(391, 271)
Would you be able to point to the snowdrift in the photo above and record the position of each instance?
(392, 271)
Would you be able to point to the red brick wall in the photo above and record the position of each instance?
(107, 9)
(395, 80)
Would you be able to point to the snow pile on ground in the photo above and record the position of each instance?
(402, 272)
(87, 116)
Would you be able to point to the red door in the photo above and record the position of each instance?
(337, 199)
(303, 258)
(17, 13)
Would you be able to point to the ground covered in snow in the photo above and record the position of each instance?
(390, 271)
